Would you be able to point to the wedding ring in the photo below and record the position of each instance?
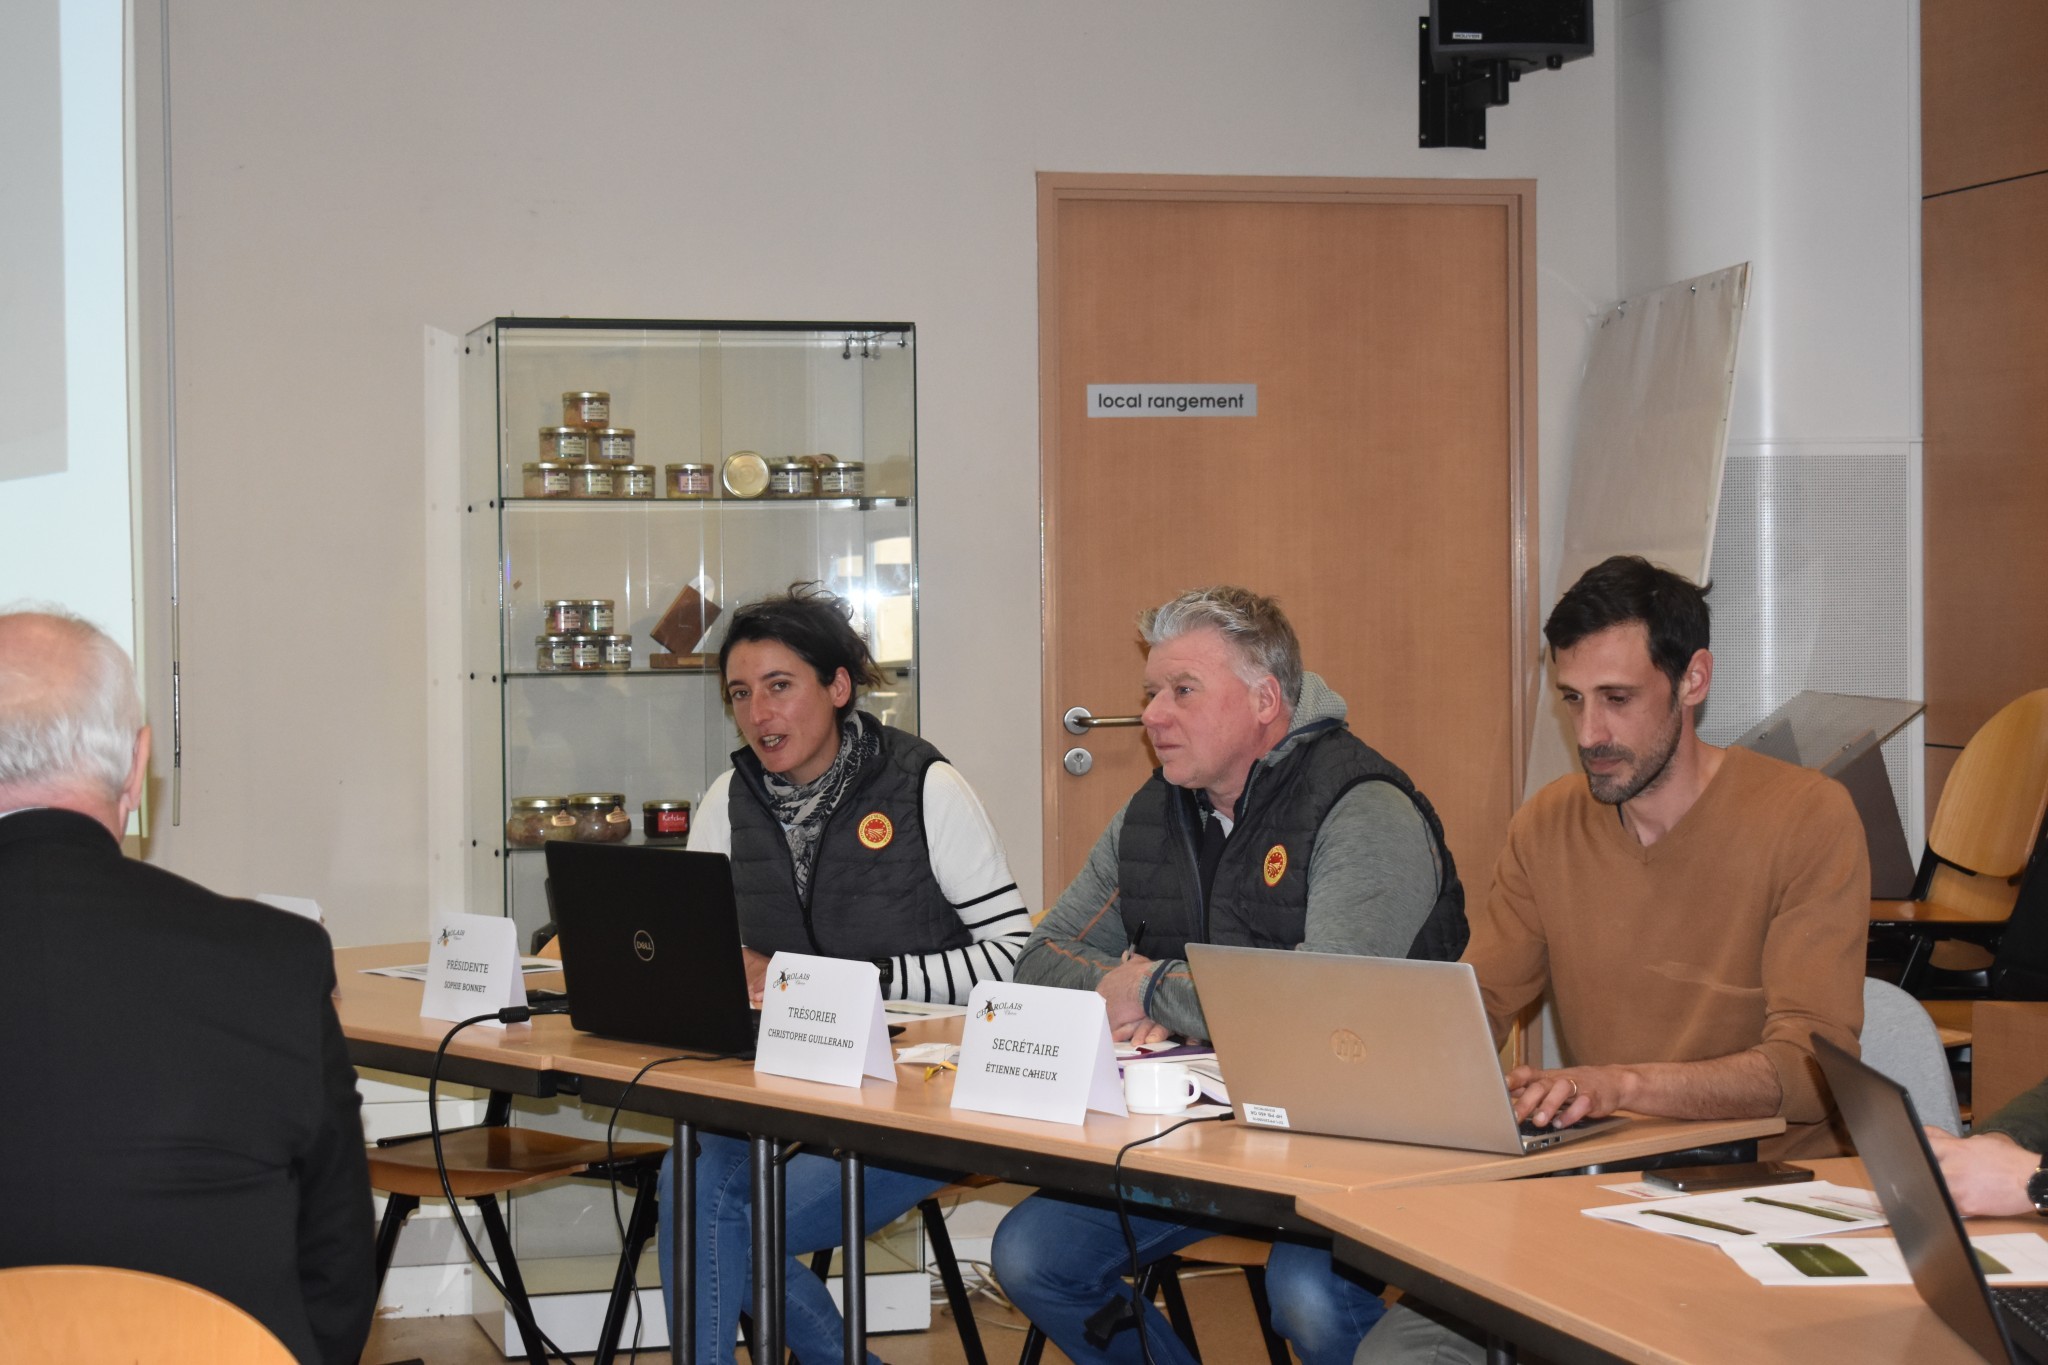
(1575, 1089)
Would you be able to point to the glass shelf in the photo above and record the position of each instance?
(846, 504)
(706, 670)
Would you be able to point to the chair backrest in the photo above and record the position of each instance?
(97, 1315)
(1991, 809)
(1901, 1041)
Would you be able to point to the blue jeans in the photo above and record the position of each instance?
(1060, 1260)
(812, 1326)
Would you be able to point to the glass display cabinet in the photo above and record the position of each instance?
(673, 470)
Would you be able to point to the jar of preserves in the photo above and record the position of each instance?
(568, 445)
(547, 479)
(586, 653)
(563, 616)
(635, 480)
(598, 615)
(665, 821)
(612, 443)
(592, 481)
(600, 817)
(553, 653)
(689, 480)
(843, 479)
(792, 479)
(586, 408)
(615, 653)
(745, 475)
(528, 824)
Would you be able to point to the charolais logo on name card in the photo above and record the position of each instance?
(821, 1020)
(472, 968)
(1037, 1052)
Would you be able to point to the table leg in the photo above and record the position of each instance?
(853, 1266)
(682, 1246)
(768, 1286)
(1499, 1350)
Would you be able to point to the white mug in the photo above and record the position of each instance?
(1159, 1087)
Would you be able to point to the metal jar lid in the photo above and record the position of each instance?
(597, 800)
(579, 395)
(746, 474)
(664, 805)
(538, 804)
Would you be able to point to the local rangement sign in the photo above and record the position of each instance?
(1173, 400)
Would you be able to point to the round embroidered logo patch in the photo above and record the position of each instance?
(876, 831)
(1276, 864)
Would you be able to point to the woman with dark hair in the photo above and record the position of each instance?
(848, 838)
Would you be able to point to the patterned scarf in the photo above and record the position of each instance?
(802, 811)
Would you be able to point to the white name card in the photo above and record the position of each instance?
(473, 967)
(1037, 1052)
(821, 1020)
(1173, 400)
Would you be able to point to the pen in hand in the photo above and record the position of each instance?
(1137, 940)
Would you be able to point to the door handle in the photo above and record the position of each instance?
(1079, 721)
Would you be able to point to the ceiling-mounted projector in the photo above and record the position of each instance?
(1472, 51)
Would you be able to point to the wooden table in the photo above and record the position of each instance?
(1522, 1261)
(1225, 1171)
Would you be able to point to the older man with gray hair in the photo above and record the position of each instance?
(184, 1046)
(1267, 824)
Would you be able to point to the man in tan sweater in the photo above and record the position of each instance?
(1697, 913)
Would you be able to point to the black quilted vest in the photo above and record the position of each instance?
(872, 892)
(1260, 895)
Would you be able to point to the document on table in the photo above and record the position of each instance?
(1815, 1209)
(2008, 1258)
(417, 971)
(920, 1009)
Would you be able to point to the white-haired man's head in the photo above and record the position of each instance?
(71, 731)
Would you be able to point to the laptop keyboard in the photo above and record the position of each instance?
(1531, 1128)
(2028, 1305)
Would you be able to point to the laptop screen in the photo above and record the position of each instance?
(1908, 1182)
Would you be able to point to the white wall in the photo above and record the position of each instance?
(345, 174)
(1787, 135)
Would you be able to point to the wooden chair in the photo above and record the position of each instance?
(1983, 839)
(97, 1315)
(495, 1159)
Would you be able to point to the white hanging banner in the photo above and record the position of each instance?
(821, 1020)
(473, 967)
(1037, 1052)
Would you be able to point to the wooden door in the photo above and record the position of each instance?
(1382, 491)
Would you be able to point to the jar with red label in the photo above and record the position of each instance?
(665, 821)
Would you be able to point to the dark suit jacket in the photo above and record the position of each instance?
(181, 1100)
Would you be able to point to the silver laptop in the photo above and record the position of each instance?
(1368, 1047)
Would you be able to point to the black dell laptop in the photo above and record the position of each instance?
(651, 946)
(2002, 1325)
